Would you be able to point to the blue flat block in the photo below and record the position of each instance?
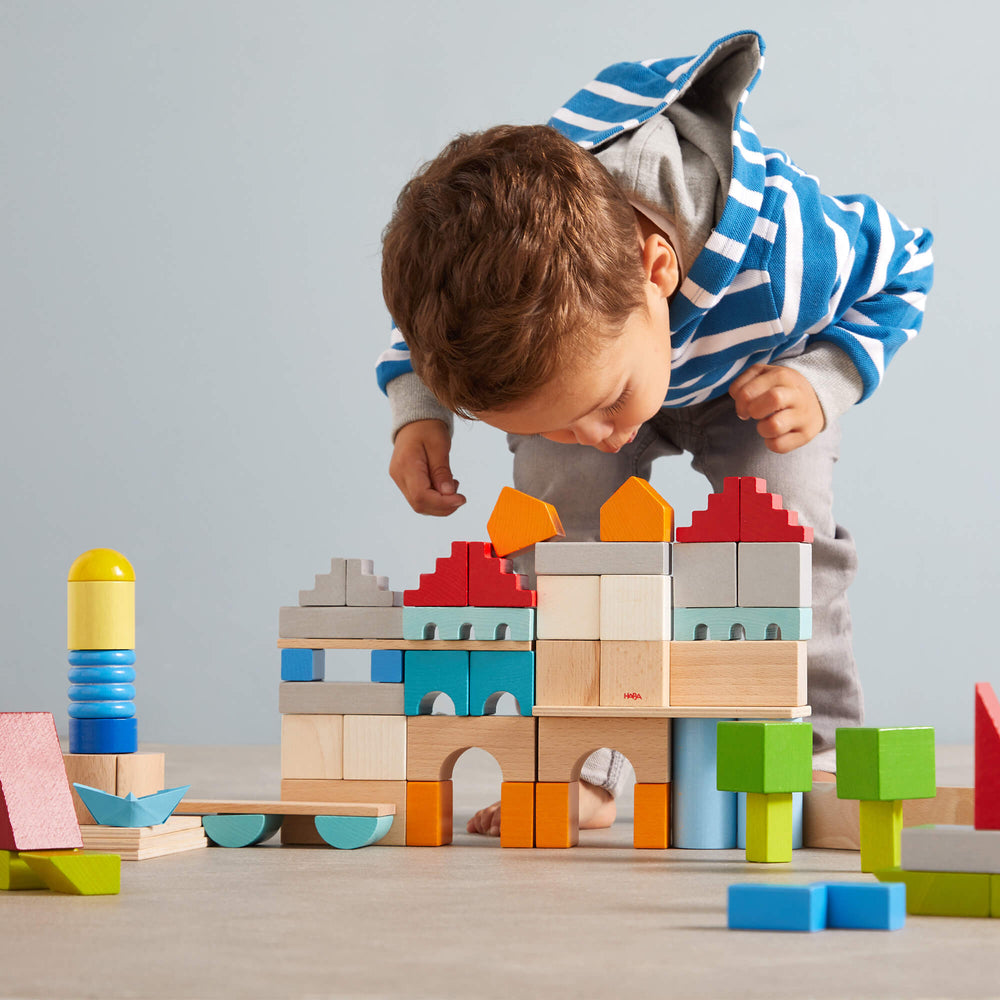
(703, 818)
(793, 623)
(303, 664)
(348, 833)
(101, 657)
(879, 906)
(387, 666)
(741, 821)
(101, 692)
(484, 624)
(103, 735)
(492, 674)
(777, 907)
(101, 709)
(427, 673)
(101, 675)
(240, 831)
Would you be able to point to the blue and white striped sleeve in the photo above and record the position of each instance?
(394, 361)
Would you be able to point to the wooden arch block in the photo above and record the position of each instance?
(636, 513)
(519, 520)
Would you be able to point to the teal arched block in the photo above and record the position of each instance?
(351, 832)
(240, 831)
(507, 671)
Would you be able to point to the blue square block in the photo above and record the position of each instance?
(103, 735)
(303, 664)
(879, 906)
(777, 907)
(493, 673)
(426, 673)
(387, 666)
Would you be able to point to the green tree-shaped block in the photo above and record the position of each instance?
(885, 765)
(764, 757)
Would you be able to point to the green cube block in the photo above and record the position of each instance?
(764, 757)
(883, 765)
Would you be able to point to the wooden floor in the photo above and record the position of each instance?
(469, 920)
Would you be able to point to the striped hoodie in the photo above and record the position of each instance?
(781, 272)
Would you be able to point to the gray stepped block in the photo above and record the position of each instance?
(705, 575)
(340, 623)
(339, 698)
(602, 558)
(366, 590)
(330, 589)
(775, 575)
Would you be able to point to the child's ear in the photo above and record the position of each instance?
(660, 264)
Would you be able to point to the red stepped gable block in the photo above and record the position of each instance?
(447, 586)
(492, 584)
(36, 805)
(762, 517)
(987, 815)
(721, 521)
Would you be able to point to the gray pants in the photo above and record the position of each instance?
(577, 480)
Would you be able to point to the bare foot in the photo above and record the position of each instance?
(597, 812)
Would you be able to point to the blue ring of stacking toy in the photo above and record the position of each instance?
(102, 692)
(101, 675)
(101, 657)
(103, 735)
(101, 710)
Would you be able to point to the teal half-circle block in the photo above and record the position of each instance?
(351, 832)
(240, 831)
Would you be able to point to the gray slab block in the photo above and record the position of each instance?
(366, 590)
(340, 623)
(705, 575)
(602, 558)
(339, 698)
(775, 575)
(330, 589)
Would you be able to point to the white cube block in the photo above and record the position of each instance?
(774, 575)
(569, 607)
(636, 607)
(705, 574)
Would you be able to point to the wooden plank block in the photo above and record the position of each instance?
(340, 623)
(774, 575)
(557, 814)
(340, 698)
(951, 849)
(635, 673)
(375, 747)
(603, 558)
(569, 607)
(428, 813)
(636, 608)
(635, 512)
(289, 807)
(517, 806)
(748, 674)
(651, 826)
(519, 520)
(567, 672)
(671, 712)
(447, 586)
(312, 746)
(435, 742)
(330, 589)
(987, 758)
(705, 574)
(366, 590)
(404, 644)
(564, 744)
(300, 828)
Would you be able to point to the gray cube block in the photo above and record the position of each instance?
(775, 575)
(705, 574)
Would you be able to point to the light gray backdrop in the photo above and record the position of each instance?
(191, 206)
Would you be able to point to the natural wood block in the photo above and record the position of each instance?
(435, 742)
(557, 814)
(602, 558)
(567, 672)
(744, 673)
(312, 746)
(569, 607)
(565, 743)
(302, 829)
(428, 813)
(636, 513)
(517, 807)
(407, 644)
(178, 835)
(774, 575)
(519, 520)
(375, 747)
(330, 589)
(98, 770)
(285, 807)
(140, 773)
(671, 712)
(636, 608)
(651, 825)
(635, 673)
(340, 698)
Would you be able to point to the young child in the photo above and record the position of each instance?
(642, 277)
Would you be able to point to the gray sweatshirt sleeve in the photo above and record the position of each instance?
(410, 399)
(834, 378)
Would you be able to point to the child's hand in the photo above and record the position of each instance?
(782, 402)
(419, 467)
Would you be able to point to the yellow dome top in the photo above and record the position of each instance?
(101, 564)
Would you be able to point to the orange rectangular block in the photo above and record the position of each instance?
(428, 813)
(557, 814)
(651, 826)
(517, 809)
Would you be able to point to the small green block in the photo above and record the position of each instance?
(15, 874)
(883, 765)
(764, 757)
(77, 872)
(942, 894)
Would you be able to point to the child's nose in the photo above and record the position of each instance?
(591, 430)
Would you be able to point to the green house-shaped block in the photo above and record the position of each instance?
(764, 757)
(884, 765)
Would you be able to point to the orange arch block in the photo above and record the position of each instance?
(636, 513)
(519, 520)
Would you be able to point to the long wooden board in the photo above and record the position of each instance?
(210, 807)
(651, 712)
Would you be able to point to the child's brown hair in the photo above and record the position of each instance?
(505, 258)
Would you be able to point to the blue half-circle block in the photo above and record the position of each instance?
(351, 832)
(101, 657)
(240, 831)
(103, 735)
(101, 709)
(101, 692)
(101, 675)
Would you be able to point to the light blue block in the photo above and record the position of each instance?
(507, 671)
(703, 817)
(387, 666)
(351, 832)
(469, 623)
(303, 664)
(240, 831)
(794, 623)
(878, 906)
(777, 907)
(432, 671)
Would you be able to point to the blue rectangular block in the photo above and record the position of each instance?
(879, 906)
(303, 664)
(387, 666)
(777, 907)
(103, 735)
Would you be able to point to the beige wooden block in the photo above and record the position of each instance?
(285, 807)
(435, 742)
(569, 607)
(312, 746)
(635, 673)
(302, 829)
(567, 672)
(636, 608)
(565, 743)
(98, 770)
(742, 673)
(140, 773)
(374, 747)
(671, 712)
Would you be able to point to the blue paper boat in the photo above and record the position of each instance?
(130, 810)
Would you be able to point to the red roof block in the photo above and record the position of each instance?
(36, 805)
(762, 517)
(447, 586)
(987, 815)
(492, 584)
(721, 521)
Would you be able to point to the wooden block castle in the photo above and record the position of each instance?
(622, 644)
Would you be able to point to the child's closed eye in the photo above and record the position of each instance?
(619, 404)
